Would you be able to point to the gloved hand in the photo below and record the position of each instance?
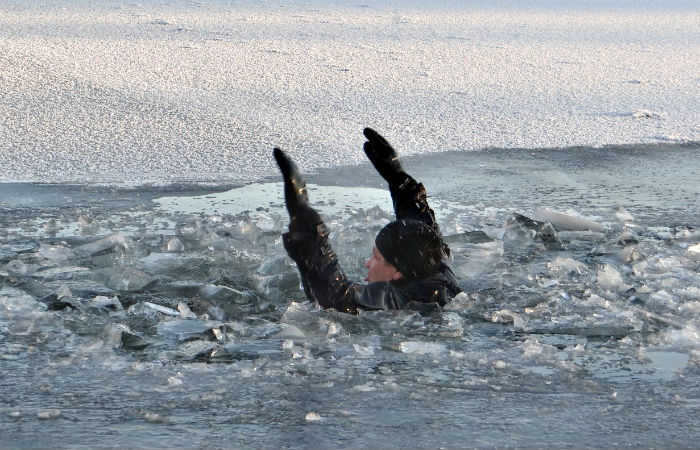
(301, 215)
(384, 158)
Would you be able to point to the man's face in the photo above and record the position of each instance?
(379, 269)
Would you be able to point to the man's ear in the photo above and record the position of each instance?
(397, 276)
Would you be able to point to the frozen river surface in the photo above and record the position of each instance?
(172, 318)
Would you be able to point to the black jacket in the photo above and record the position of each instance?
(324, 280)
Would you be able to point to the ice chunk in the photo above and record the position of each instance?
(55, 252)
(563, 266)
(120, 335)
(163, 309)
(174, 245)
(363, 351)
(107, 303)
(421, 348)
(623, 215)
(185, 311)
(127, 279)
(153, 417)
(506, 316)
(694, 252)
(216, 293)
(566, 222)
(314, 417)
(17, 268)
(521, 230)
(630, 253)
(290, 332)
(223, 353)
(610, 279)
(51, 227)
(103, 245)
(88, 225)
(192, 350)
(470, 237)
(625, 238)
(48, 414)
(187, 330)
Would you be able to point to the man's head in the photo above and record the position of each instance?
(405, 249)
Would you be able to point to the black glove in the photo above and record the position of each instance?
(301, 215)
(384, 158)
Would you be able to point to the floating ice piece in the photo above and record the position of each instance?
(562, 266)
(153, 418)
(51, 226)
(565, 222)
(506, 316)
(58, 302)
(174, 381)
(192, 350)
(127, 279)
(630, 253)
(626, 238)
(185, 311)
(585, 236)
(623, 215)
(174, 245)
(107, 303)
(186, 330)
(314, 417)
(84, 288)
(48, 414)
(421, 348)
(103, 245)
(120, 335)
(88, 225)
(520, 229)
(469, 237)
(162, 309)
(17, 268)
(610, 279)
(215, 292)
(598, 330)
(363, 351)
(223, 353)
(290, 332)
(54, 252)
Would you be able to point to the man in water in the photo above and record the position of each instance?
(409, 258)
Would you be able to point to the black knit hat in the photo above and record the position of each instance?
(413, 247)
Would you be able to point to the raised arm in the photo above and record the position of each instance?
(408, 196)
(307, 244)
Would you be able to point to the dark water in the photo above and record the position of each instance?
(584, 339)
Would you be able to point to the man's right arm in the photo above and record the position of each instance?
(408, 196)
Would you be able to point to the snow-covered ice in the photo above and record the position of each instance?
(114, 91)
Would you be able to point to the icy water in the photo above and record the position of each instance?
(171, 317)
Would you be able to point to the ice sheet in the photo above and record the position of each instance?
(164, 91)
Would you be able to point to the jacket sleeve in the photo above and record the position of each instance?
(323, 279)
(411, 202)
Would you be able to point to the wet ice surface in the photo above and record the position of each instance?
(130, 318)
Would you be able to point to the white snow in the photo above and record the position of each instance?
(116, 91)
